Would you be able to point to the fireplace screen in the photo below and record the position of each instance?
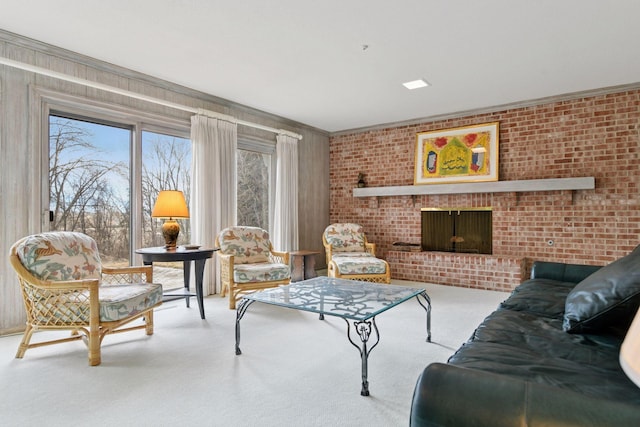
(449, 230)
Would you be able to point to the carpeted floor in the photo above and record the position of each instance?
(295, 370)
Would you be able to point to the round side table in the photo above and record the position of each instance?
(199, 256)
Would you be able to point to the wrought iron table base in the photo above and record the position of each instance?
(362, 328)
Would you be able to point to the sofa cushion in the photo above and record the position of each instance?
(607, 300)
(544, 297)
(536, 349)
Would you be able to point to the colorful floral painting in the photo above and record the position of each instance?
(462, 154)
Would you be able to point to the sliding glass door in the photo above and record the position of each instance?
(89, 183)
(96, 188)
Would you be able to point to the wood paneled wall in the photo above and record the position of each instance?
(21, 154)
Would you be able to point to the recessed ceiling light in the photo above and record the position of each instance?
(416, 84)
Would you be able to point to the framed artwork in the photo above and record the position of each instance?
(464, 154)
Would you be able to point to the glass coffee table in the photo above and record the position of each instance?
(358, 303)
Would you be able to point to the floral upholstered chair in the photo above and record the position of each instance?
(350, 256)
(248, 262)
(64, 286)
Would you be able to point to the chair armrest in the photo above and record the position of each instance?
(226, 267)
(226, 258)
(66, 286)
(371, 248)
(281, 257)
(126, 275)
(52, 303)
(328, 253)
(327, 249)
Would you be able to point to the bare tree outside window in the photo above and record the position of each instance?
(86, 190)
(253, 188)
(90, 188)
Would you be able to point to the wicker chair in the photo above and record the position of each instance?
(249, 263)
(350, 256)
(65, 287)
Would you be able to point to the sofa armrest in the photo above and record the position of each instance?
(448, 395)
(562, 272)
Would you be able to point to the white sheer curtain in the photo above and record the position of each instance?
(213, 185)
(285, 224)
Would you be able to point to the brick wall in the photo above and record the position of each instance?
(594, 136)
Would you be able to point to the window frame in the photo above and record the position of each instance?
(78, 108)
(45, 102)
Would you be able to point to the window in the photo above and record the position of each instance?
(255, 163)
(105, 173)
(166, 165)
(96, 185)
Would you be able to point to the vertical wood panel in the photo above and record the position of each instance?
(313, 193)
(17, 182)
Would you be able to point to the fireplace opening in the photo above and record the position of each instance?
(457, 230)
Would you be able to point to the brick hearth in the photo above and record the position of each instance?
(497, 273)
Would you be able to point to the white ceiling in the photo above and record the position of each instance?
(304, 60)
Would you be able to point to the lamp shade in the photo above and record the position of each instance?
(630, 351)
(170, 204)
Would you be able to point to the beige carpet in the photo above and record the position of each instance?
(295, 370)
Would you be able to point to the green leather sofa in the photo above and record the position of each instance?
(548, 356)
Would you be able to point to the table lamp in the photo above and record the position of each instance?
(630, 351)
(170, 204)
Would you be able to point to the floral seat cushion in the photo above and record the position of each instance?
(248, 245)
(345, 237)
(353, 254)
(363, 264)
(260, 272)
(119, 302)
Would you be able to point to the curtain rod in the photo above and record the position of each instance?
(130, 94)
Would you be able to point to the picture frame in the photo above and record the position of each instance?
(462, 154)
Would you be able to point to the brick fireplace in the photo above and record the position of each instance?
(590, 136)
(456, 230)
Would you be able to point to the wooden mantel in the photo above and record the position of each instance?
(552, 184)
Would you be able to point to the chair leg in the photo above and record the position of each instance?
(148, 319)
(24, 344)
(94, 346)
(232, 300)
